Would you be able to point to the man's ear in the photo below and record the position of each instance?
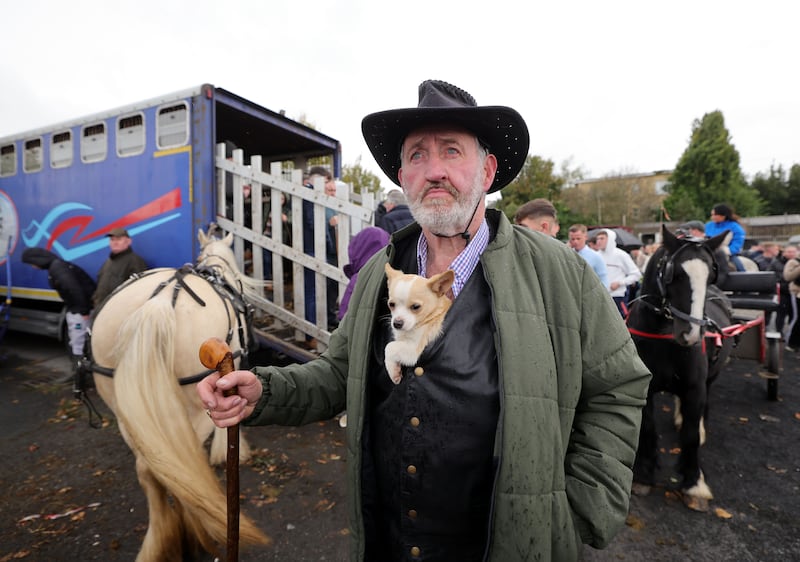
(489, 169)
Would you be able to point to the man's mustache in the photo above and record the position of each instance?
(447, 187)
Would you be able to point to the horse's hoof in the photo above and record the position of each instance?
(640, 489)
(695, 504)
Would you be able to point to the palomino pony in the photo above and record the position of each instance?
(149, 332)
(677, 303)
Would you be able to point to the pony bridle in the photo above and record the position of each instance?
(664, 277)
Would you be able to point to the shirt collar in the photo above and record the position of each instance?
(464, 263)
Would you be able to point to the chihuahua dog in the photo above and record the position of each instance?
(418, 306)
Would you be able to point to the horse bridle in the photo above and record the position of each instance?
(665, 275)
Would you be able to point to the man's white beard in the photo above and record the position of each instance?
(437, 216)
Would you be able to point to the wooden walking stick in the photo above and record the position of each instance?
(215, 354)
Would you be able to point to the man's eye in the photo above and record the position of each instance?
(415, 156)
(452, 151)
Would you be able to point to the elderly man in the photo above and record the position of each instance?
(397, 213)
(512, 436)
(120, 265)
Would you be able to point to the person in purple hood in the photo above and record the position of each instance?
(362, 247)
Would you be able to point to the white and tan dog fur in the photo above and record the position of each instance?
(418, 307)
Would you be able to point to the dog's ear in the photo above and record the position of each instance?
(391, 272)
(441, 283)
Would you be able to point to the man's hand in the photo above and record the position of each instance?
(226, 411)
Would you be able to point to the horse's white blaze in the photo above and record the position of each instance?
(697, 270)
(701, 489)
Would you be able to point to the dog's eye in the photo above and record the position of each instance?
(415, 307)
(391, 305)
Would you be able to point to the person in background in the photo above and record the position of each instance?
(791, 274)
(577, 241)
(692, 229)
(722, 219)
(120, 265)
(310, 291)
(622, 271)
(513, 435)
(397, 214)
(540, 215)
(764, 258)
(361, 247)
(784, 315)
(285, 227)
(75, 287)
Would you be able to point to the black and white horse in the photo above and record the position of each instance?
(678, 303)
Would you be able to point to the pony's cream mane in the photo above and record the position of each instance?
(217, 253)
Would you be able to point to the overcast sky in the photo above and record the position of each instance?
(614, 86)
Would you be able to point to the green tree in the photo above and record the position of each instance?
(708, 173)
(537, 178)
(362, 180)
(780, 194)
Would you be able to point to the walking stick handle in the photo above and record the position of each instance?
(215, 354)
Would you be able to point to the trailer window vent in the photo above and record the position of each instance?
(172, 126)
(94, 143)
(130, 135)
(8, 160)
(61, 150)
(32, 162)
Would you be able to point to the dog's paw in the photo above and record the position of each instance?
(395, 371)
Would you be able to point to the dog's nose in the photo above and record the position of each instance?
(397, 323)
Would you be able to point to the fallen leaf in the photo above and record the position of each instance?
(768, 418)
(634, 522)
(721, 513)
(324, 505)
(675, 451)
(33, 448)
(666, 408)
(19, 555)
(776, 470)
(797, 415)
(744, 420)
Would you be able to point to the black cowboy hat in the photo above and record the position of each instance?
(501, 129)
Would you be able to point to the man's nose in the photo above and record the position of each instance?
(436, 169)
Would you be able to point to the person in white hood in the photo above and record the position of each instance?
(622, 271)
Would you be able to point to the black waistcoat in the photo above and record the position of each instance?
(429, 466)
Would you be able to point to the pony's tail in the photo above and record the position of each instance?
(152, 411)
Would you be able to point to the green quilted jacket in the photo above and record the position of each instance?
(572, 392)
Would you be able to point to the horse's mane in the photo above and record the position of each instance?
(649, 278)
(219, 252)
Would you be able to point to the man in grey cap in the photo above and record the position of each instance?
(692, 229)
(512, 436)
(121, 264)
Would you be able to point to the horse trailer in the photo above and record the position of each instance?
(158, 168)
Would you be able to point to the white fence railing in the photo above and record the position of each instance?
(248, 217)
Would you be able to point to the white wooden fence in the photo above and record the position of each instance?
(284, 306)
